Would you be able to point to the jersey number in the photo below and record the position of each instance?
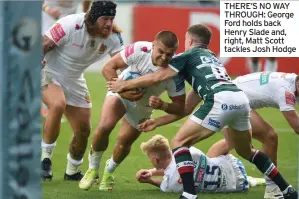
(211, 171)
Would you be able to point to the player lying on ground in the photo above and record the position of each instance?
(225, 173)
(142, 58)
(209, 80)
(70, 46)
(275, 90)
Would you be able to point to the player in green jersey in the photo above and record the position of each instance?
(224, 104)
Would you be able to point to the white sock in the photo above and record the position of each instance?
(111, 165)
(189, 196)
(72, 165)
(254, 67)
(94, 158)
(270, 66)
(47, 150)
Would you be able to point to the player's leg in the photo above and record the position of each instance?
(201, 124)
(126, 137)
(79, 119)
(264, 132)
(53, 97)
(271, 64)
(254, 64)
(113, 110)
(240, 135)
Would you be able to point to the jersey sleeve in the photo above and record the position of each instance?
(195, 153)
(164, 186)
(60, 31)
(176, 86)
(179, 62)
(118, 43)
(285, 99)
(132, 53)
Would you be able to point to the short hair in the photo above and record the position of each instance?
(157, 145)
(168, 38)
(202, 32)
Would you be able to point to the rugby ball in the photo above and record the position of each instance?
(128, 75)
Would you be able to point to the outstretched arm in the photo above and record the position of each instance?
(192, 100)
(293, 119)
(143, 81)
(145, 176)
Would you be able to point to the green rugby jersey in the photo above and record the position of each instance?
(203, 71)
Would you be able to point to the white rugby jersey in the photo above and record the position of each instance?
(138, 57)
(269, 89)
(76, 49)
(210, 174)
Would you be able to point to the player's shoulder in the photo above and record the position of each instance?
(143, 46)
(73, 22)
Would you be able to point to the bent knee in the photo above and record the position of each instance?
(58, 106)
(272, 136)
(105, 126)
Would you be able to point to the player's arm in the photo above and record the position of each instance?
(192, 100)
(293, 119)
(48, 44)
(143, 81)
(287, 102)
(53, 12)
(110, 68)
(145, 176)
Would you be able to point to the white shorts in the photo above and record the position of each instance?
(224, 108)
(240, 173)
(134, 114)
(75, 90)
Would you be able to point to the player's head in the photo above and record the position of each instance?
(197, 35)
(158, 150)
(164, 47)
(99, 18)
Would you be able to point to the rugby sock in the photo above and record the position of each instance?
(94, 158)
(270, 66)
(185, 167)
(266, 166)
(111, 166)
(47, 150)
(72, 165)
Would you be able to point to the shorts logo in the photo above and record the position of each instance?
(237, 107)
(57, 32)
(214, 123)
(290, 99)
(88, 99)
(224, 106)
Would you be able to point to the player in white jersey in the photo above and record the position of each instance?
(225, 173)
(144, 58)
(56, 9)
(266, 89)
(70, 46)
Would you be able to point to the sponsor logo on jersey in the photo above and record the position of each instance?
(214, 123)
(290, 98)
(224, 106)
(129, 50)
(144, 49)
(57, 33)
(102, 48)
(264, 78)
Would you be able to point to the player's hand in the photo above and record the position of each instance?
(132, 95)
(143, 176)
(115, 85)
(54, 12)
(146, 126)
(155, 102)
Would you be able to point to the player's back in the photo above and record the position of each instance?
(203, 71)
(266, 89)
